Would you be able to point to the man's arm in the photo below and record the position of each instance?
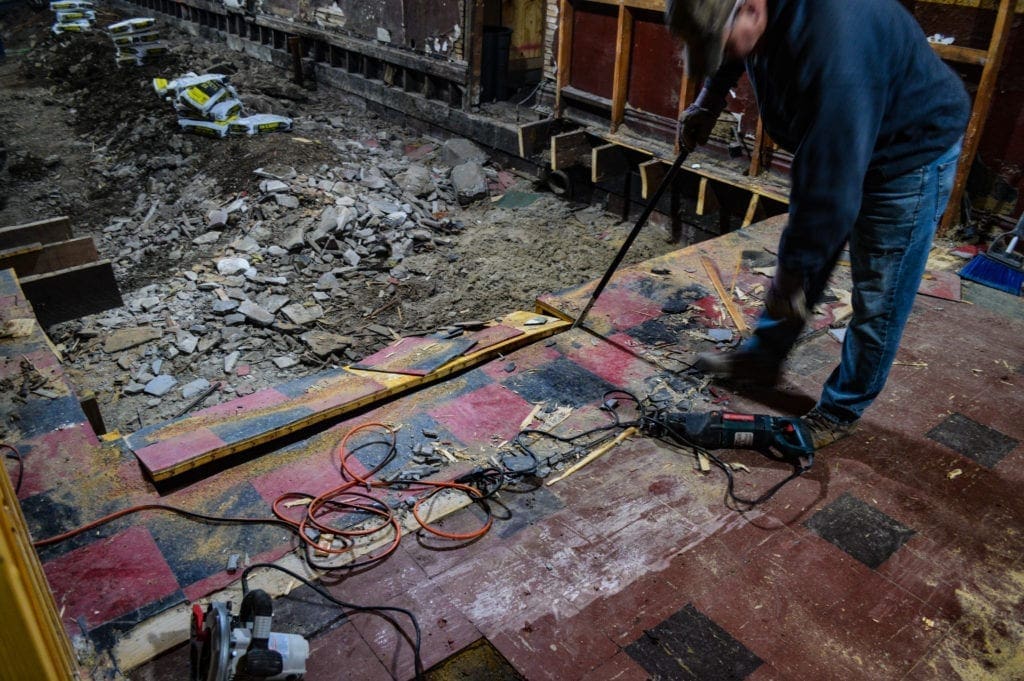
(698, 120)
(841, 121)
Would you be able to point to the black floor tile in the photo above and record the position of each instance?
(972, 439)
(688, 645)
(860, 530)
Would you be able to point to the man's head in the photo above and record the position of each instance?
(713, 28)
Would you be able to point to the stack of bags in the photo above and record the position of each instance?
(208, 105)
(136, 40)
(73, 16)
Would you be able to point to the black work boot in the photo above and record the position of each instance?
(741, 367)
(824, 429)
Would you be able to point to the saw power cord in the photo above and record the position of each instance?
(318, 520)
(416, 640)
(319, 517)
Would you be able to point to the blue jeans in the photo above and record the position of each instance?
(889, 248)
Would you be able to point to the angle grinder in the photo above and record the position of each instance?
(243, 648)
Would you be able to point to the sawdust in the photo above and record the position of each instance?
(993, 631)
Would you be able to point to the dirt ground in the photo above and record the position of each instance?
(90, 140)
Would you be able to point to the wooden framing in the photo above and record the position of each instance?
(752, 209)
(41, 232)
(608, 161)
(72, 292)
(652, 172)
(34, 643)
(566, 17)
(534, 137)
(40, 258)
(62, 277)
(569, 149)
(982, 104)
(988, 59)
(706, 199)
(623, 54)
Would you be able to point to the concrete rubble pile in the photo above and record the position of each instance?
(209, 105)
(282, 260)
(136, 41)
(72, 16)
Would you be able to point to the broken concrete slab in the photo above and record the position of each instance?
(161, 385)
(469, 181)
(459, 150)
(416, 181)
(223, 307)
(195, 388)
(255, 313)
(231, 266)
(323, 343)
(285, 362)
(302, 314)
(122, 339)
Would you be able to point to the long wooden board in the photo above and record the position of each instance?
(175, 447)
(43, 232)
(73, 292)
(29, 260)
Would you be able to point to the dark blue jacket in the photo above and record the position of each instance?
(854, 91)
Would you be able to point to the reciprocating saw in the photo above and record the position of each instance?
(727, 430)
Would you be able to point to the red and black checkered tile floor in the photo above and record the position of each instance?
(898, 556)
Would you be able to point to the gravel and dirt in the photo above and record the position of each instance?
(350, 225)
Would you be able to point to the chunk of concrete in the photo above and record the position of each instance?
(230, 266)
(195, 388)
(223, 307)
(460, 150)
(302, 314)
(122, 339)
(323, 343)
(285, 362)
(161, 385)
(255, 313)
(416, 180)
(469, 182)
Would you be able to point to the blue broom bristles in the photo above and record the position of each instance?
(994, 274)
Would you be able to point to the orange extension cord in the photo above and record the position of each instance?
(345, 499)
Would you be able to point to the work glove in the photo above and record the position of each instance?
(698, 120)
(786, 299)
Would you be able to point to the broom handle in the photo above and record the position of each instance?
(1018, 232)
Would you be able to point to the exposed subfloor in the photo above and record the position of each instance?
(898, 556)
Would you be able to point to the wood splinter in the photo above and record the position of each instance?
(597, 453)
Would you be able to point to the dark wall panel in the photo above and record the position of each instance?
(657, 67)
(433, 22)
(593, 48)
(363, 17)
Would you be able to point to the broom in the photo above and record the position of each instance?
(999, 268)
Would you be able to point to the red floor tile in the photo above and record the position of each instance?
(110, 577)
(776, 603)
(890, 628)
(478, 417)
(444, 630)
(557, 646)
(342, 653)
(621, 667)
(385, 580)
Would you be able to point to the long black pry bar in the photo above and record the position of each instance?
(641, 221)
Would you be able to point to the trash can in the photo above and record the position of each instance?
(494, 69)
